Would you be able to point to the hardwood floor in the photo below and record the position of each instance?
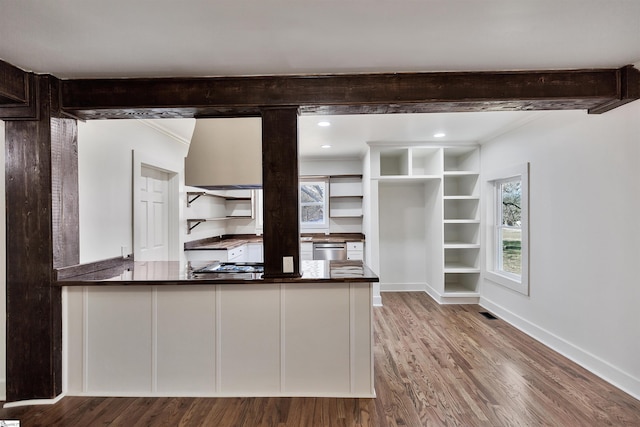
(435, 366)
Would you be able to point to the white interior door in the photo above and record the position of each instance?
(153, 214)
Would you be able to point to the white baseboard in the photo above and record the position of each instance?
(377, 301)
(435, 295)
(33, 402)
(452, 298)
(590, 362)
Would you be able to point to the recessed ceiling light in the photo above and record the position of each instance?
(439, 135)
(324, 124)
(325, 146)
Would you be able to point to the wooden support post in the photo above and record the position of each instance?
(280, 187)
(42, 233)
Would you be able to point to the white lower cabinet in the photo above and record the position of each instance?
(355, 251)
(255, 252)
(306, 251)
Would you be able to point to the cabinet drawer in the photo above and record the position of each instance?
(355, 255)
(355, 246)
(236, 253)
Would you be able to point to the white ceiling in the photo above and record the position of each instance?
(152, 38)
(132, 38)
(348, 135)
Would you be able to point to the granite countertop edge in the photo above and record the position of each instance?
(158, 273)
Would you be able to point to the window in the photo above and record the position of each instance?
(313, 204)
(508, 234)
(509, 227)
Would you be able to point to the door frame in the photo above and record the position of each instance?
(141, 159)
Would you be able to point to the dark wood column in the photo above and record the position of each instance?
(280, 187)
(42, 233)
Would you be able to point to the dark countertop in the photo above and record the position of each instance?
(230, 241)
(221, 244)
(177, 273)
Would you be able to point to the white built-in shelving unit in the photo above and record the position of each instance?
(345, 196)
(461, 221)
(450, 228)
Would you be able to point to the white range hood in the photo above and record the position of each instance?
(225, 153)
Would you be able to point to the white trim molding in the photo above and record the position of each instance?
(519, 284)
(153, 124)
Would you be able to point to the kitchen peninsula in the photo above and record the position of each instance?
(158, 329)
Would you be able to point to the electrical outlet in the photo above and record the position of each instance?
(287, 264)
(124, 250)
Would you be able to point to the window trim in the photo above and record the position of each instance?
(493, 180)
(315, 225)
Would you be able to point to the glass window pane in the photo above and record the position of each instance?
(313, 204)
(311, 193)
(511, 245)
(313, 214)
(511, 195)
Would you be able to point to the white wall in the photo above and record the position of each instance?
(105, 181)
(584, 238)
(330, 167)
(3, 273)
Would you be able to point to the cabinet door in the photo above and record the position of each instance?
(255, 252)
(306, 251)
(355, 251)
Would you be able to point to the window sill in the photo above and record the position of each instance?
(507, 282)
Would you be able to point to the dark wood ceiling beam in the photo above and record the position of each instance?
(341, 94)
(628, 80)
(18, 93)
(14, 83)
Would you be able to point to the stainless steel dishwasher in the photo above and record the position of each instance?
(330, 251)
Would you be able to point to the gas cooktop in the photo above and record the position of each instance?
(232, 267)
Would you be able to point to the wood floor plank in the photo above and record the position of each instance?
(434, 366)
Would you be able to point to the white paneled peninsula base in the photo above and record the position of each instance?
(202, 338)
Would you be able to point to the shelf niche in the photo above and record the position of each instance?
(461, 185)
(410, 162)
(394, 162)
(460, 234)
(461, 282)
(461, 209)
(463, 260)
(461, 159)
